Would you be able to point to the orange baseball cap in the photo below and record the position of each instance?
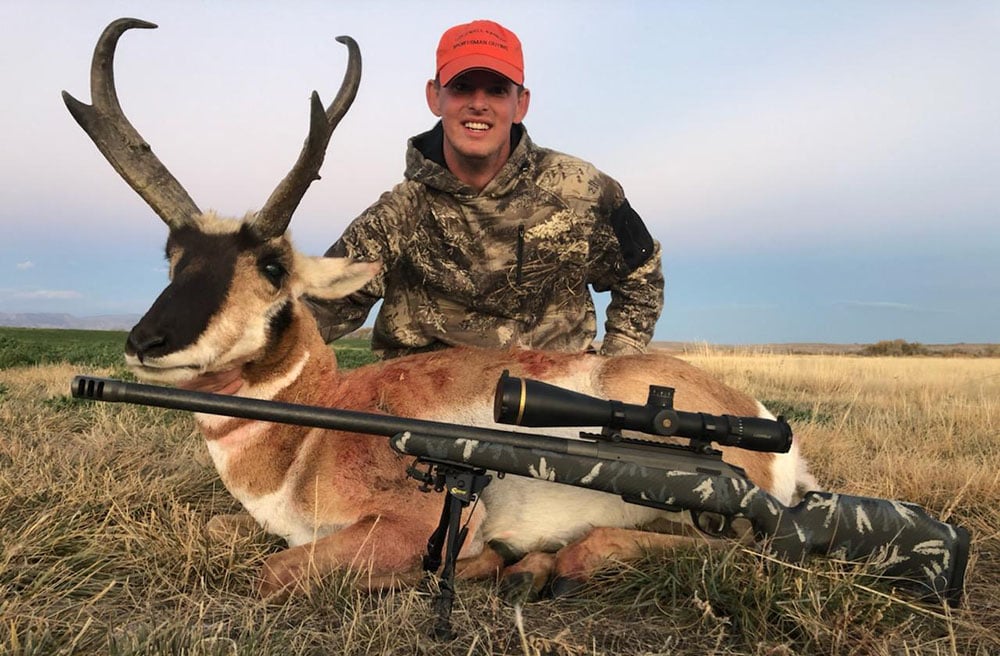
(480, 44)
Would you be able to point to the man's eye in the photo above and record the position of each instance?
(498, 91)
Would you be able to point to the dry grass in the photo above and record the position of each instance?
(102, 509)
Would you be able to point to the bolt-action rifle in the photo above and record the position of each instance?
(899, 540)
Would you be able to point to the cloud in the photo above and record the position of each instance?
(738, 307)
(48, 294)
(27, 264)
(890, 306)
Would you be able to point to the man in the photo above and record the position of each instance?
(490, 240)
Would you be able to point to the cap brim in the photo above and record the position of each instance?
(453, 68)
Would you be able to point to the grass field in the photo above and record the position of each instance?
(103, 348)
(102, 509)
(30, 346)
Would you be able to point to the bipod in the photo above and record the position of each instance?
(462, 485)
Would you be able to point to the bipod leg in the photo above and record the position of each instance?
(435, 543)
(461, 485)
(445, 599)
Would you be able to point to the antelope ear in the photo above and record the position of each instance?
(334, 277)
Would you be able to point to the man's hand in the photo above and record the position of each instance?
(620, 345)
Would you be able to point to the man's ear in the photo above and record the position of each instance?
(523, 100)
(433, 92)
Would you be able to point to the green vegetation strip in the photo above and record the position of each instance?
(22, 347)
(25, 347)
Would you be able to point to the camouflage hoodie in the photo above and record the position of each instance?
(507, 266)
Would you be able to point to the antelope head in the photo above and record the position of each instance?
(234, 285)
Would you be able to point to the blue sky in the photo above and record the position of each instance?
(814, 171)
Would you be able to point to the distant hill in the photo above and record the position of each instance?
(62, 320)
(126, 321)
(885, 347)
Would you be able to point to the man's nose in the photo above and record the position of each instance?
(477, 99)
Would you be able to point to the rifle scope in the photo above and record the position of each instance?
(527, 402)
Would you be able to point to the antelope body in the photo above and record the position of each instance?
(234, 315)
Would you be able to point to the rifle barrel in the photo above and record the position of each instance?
(112, 390)
(928, 555)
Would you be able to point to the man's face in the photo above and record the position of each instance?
(477, 109)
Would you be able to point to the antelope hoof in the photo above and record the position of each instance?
(226, 528)
(518, 588)
(564, 586)
(279, 580)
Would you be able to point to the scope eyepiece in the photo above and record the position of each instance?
(526, 402)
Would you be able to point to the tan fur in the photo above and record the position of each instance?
(210, 223)
(603, 545)
(233, 320)
(344, 500)
(350, 492)
(526, 578)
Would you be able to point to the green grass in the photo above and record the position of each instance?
(103, 548)
(353, 352)
(25, 347)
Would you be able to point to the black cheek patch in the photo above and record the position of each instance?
(279, 322)
(634, 240)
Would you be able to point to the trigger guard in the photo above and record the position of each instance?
(712, 524)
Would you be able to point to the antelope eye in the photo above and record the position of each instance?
(274, 272)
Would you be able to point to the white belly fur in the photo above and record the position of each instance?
(528, 514)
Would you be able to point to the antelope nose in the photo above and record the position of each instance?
(140, 345)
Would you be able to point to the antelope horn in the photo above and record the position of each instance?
(272, 220)
(119, 141)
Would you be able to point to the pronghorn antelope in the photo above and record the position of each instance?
(234, 316)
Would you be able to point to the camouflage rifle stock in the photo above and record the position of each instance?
(901, 540)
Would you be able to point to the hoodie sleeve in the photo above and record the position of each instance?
(628, 264)
(372, 236)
